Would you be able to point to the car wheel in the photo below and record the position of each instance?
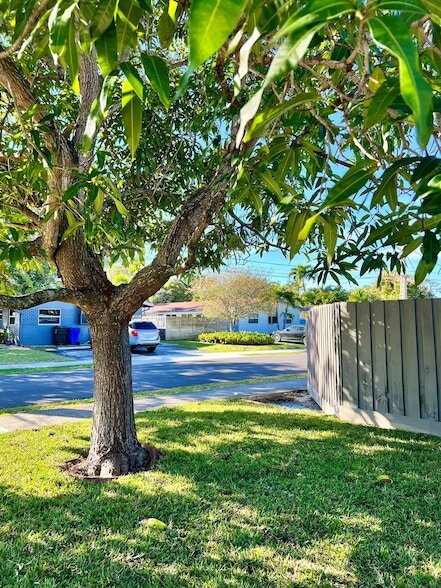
(277, 338)
(151, 349)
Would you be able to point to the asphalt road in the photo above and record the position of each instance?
(25, 389)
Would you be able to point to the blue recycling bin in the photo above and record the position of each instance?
(74, 336)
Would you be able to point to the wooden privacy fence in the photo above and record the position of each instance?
(378, 362)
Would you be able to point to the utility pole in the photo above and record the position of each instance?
(403, 287)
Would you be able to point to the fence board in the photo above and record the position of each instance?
(394, 357)
(411, 386)
(349, 378)
(380, 391)
(436, 306)
(364, 341)
(378, 363)
(427, 360)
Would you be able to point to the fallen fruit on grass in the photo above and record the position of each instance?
(383, 479)
(153, 523)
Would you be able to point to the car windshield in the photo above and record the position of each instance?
(140, 326)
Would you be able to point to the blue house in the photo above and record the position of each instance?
(35, 326)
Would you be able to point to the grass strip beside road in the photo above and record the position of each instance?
(42, 370)
(18, 355)
(222, 348)
(159, 392)
(251, 496)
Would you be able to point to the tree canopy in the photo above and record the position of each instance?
(309, 107)
(202, 128)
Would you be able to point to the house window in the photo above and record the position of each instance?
(83, 319)
(49, 316)
(12, 317)
(288, 320)
(272, 319)
(1, 317)
(253, 318)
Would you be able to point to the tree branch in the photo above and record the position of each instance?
(90, 86)
(28, 28)
(185, 230)
(41, 297)
(256, 232)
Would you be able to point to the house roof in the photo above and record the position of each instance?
(177, 307)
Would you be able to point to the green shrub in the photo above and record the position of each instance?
(241, 338)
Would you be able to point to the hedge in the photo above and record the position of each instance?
(242, 338)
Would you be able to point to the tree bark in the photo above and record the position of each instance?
(114, 449)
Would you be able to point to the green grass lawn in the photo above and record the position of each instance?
(252, 496)
(16, 355)
(219, 347)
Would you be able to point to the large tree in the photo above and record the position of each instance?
(203, 127)
(232, 295)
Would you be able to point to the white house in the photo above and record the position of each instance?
(263, 321)
(175, 317)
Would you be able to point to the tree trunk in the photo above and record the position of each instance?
(114, 449)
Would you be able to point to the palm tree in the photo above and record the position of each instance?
(299, 273)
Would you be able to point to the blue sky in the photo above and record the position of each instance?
(276, 267)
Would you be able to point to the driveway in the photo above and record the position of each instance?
(149, 373)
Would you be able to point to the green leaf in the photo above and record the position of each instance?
(131, 115)
(156, 70)
(317, 11)
(290, 53)
(381, 101)
(98, 111)
(210, 23)
(434, 7)
(266, 116)
(71, 56)
(421, 272)
(430, 249)
(413, 6)
(411, 246)
(285, 164)
(72, 229)
(144, 4)
(350, 183)
(102, 16)
(296, 221)
(127, 20)
(306, 229)
(167, 23)
(119, 206)
(99, 201)
(106, 49)
(330, 238)
(299, 29)
(73, 190)
(389, 32)
(58, 24)
(134, 79)
(253, 194)
(387, 188)
(271, 183)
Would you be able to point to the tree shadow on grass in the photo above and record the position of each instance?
(252, 496)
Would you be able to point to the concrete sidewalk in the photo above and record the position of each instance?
(144, 359)
(57, 416)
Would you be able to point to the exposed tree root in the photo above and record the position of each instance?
(112, 465)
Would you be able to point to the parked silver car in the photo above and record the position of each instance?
(144, 334)
(292, 334)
